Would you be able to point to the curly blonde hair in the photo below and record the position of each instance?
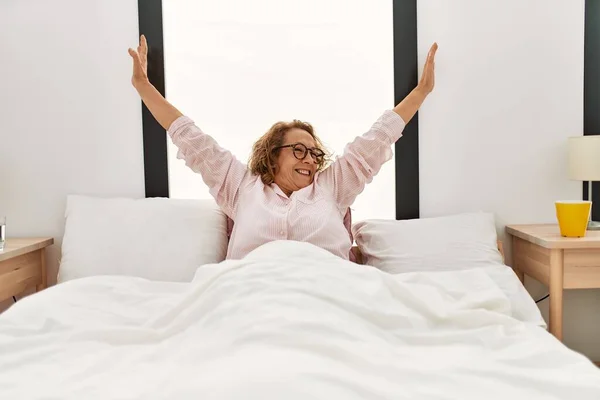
(263, 159)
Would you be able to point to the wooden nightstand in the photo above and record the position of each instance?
(558, 262)
(23, 265)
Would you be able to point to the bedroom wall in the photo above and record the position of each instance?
(70, 121)
(509, 91)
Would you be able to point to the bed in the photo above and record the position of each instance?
(148, 316)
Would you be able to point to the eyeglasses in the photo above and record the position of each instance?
(300, 151)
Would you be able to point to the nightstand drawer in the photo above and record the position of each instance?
(23, 265)
(19, 273)
(582, 268)
(532, 259)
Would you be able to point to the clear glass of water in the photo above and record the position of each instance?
(2, 232)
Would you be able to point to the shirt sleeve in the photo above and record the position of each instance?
(219, 168)
(362, 159)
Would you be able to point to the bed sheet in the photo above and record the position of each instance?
(289, 321)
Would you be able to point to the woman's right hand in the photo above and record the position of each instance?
(140, 63)
(163, 111)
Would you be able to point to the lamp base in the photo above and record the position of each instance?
(593, 226)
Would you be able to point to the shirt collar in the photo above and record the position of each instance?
(278, 190)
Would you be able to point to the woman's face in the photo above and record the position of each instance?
(293, 171)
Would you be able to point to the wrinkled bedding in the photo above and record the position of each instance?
(289, 321)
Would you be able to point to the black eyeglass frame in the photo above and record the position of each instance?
(317, 154)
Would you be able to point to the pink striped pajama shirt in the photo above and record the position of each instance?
(263, 213)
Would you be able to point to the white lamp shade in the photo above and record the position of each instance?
(584, 158)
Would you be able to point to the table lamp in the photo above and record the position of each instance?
(584, 165)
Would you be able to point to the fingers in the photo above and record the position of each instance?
(432, 51)
(428, 77)
(143, 47)
(134, 55)
(430, 60)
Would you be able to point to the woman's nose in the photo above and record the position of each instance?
(308, 159)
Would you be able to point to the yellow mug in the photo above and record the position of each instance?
(573, 217)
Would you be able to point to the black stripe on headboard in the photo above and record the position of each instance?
(156, 169)
(405, 79)
(591, 89)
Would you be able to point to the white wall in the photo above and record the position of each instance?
(509, 91)
(236, 67)
(70, 122)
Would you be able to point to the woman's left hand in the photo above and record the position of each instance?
(140, 63)
(408, 107)
(427, 81)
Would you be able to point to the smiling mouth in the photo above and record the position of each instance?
(303, 172)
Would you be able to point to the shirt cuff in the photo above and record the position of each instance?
(391, 124)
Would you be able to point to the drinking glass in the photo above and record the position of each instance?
(2, 232)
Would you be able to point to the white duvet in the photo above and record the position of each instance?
(290, 321)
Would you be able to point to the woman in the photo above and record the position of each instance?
(287, 191)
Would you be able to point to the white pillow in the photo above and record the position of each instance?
(153, 238)
(448, 243)
(454, 242)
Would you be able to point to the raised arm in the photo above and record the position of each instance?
(363, 157)
(220, 170)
